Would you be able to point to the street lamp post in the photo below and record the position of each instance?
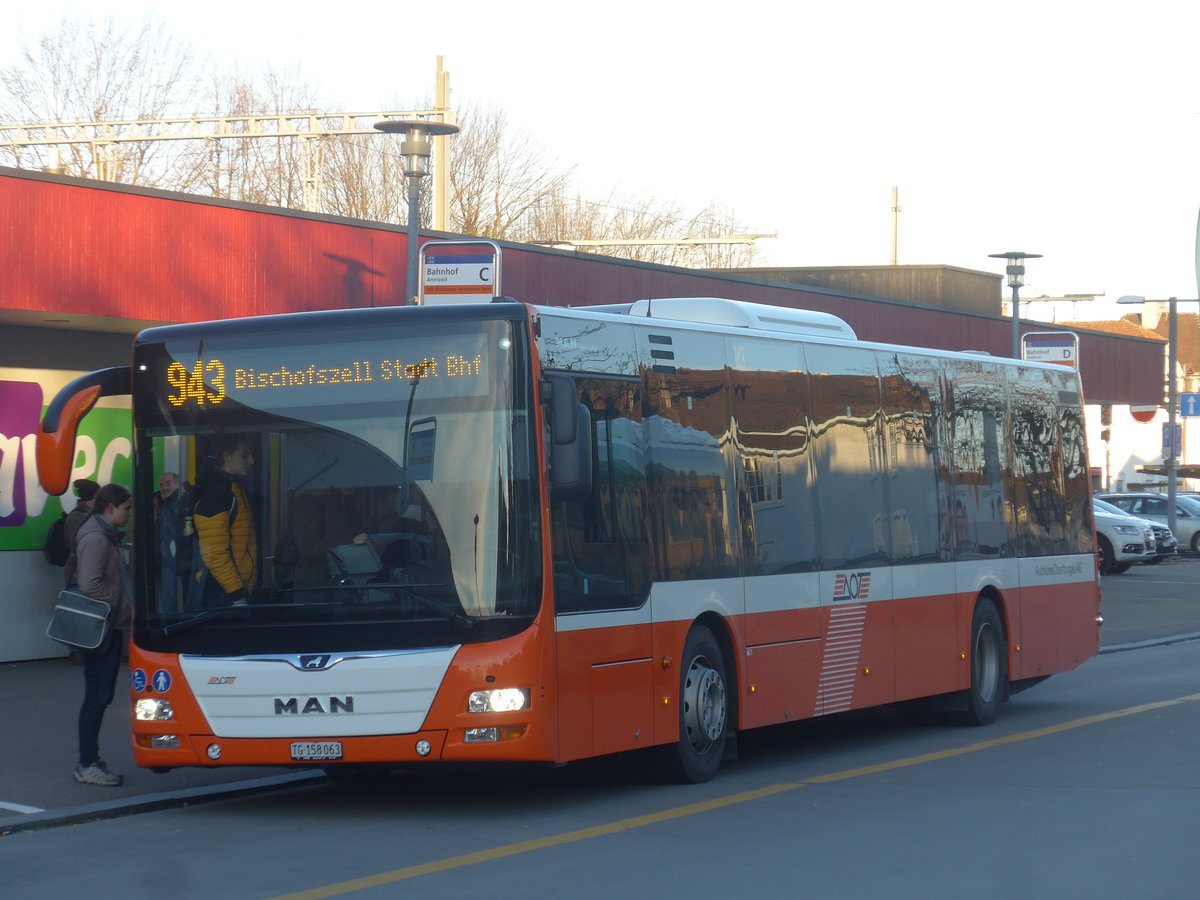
(416, 151)
(1170, 463)
(1016, 278)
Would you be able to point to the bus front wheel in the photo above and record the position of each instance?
(989, 665)
(703, 712)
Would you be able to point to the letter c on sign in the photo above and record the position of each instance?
(485, 273)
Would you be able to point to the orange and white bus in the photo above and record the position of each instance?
(499, 531)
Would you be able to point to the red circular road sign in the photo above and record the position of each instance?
(1143, 413)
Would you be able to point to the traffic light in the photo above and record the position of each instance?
(1106, 415)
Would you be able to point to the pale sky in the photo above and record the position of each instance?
(1068, 129)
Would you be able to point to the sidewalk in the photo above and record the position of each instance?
(39, 702)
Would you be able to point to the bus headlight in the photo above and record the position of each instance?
(146, 710)
(498, 700)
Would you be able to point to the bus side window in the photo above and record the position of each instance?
(601, 557)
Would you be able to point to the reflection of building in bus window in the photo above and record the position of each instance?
(904, 541)
(225, 529)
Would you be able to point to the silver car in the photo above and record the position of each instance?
(1121, 540)
(1166, 547)
(1153, 506)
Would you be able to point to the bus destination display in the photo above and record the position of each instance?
(322, 375)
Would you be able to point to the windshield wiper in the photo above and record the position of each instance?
(460, 619)
(197, 619)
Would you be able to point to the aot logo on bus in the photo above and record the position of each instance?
(852, 586)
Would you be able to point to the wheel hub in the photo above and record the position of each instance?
(704, 704)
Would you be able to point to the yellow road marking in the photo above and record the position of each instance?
(679, 812)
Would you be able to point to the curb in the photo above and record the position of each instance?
(1152, 642)
(91, 812)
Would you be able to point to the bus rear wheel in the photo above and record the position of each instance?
(989, 665)
(703, 712)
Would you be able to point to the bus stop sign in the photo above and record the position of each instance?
(459, 272)
(1061, 347)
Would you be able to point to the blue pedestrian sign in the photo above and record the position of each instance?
(1189, 404)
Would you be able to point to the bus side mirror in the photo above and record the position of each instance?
(570, 433)
(55, 448)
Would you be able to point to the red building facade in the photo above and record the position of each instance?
(75, 249)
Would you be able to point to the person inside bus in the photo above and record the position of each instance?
(225, 528)
(173, 530)
(98, 567)
(409, 537)
(321, 521)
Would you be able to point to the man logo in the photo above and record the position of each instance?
(319, 661)
(291, 706)
(852, 586)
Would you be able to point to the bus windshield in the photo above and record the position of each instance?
(353, 490)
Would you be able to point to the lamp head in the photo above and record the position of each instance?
(416, 148)
(1015, 270)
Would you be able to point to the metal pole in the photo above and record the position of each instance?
(895, 225)
(440, 188)
(1016, 322)
(1172, 406)
(414, 215)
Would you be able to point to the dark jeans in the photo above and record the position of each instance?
(99, 686)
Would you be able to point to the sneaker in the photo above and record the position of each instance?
(97, 773)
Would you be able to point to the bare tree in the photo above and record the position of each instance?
(502, 185)
(363, 178)
(100, 72)
(498, 180)
(645, 230)
(257, 170)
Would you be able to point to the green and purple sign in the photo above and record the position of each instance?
(103, 453)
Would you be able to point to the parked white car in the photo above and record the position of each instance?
(1121, 541)
(1152, 506)
(1166, 547)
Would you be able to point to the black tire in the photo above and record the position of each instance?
(1105, 551)
(1196, 542)
(989, 665)
(703, 712)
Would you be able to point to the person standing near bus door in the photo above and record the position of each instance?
(174, 530)
(85, 490)
(225, 528)
(98, 567)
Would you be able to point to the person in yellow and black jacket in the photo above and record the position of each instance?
(225, 529)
